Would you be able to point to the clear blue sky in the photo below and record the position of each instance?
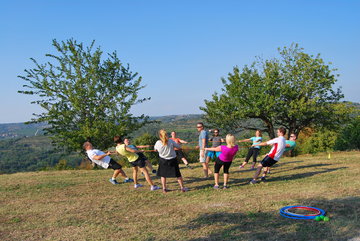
(180, 48)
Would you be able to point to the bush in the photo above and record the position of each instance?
(322, 140)
(349, 137)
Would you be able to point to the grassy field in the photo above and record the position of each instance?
(83, 205)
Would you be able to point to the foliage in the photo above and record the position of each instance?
(349, 137)
(294, 91)
(83, 95)
(32, 154)
(322, 140)
(147, 139)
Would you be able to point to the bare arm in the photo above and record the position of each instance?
(245, 140)
(99, 157)
(218, 148)
(261, 144)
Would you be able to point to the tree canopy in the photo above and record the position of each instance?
(84, 95)
(294, 90)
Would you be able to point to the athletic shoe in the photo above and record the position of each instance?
(153, 171)
(216, 186)
(241, 167)
(128, 180)
(225, 187)
(153, 188)
(252, 182)
(184, 189)
(113, 181)
(138, 185)
(263, 179)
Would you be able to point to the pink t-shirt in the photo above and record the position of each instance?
(227, 154)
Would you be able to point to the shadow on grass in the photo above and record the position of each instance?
(344, 224)
(301, 175)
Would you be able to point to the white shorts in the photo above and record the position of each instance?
(203, 159)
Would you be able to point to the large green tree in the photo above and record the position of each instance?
(84, 95)
(294, 90)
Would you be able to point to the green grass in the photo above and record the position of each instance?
(83, 205)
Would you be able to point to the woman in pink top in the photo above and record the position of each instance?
(225, 159)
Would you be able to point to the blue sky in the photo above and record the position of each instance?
(181, 48)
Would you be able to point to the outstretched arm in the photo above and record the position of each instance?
(218, 148)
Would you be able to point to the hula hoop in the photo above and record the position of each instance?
(288, 214)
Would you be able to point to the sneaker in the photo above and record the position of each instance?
(128, 180)
(188, 166)
(113, 181)
(225, 187)
(153, 188)
(216, 186)
(240, 167)
(252, 182)
(184, 189)
(153, 171)
(138, 185)
(263, 179)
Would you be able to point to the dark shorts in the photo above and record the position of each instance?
(114, 165)
(180, 154)
(142, 156)
(138, 163)
(219, 163)
(268, 162)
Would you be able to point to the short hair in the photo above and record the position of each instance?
(282, 130)
(118, 139)
(86, 143)
(200, 123)
(230, 140)
(216, 130)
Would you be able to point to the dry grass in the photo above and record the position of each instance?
(83, 205)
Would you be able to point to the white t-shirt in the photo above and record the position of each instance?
(278, 147)
(166, 152)
(103, 162)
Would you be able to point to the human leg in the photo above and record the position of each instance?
(248, 156)
(255, 154)
(163, 183)
(217, 166)
(147, 176)
(226, 173)
(135, 172)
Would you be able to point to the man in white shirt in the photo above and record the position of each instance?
(102, 159)
(278, 148)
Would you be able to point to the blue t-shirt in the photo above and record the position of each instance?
(133, 147)
(203, 135)
(256, 140)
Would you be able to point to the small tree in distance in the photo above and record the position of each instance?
(84, 96)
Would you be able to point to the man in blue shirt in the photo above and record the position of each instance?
(203, 143)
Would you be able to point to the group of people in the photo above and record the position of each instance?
(169, 150)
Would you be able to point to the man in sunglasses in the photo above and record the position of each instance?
(203, 143)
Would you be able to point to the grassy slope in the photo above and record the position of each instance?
(83, 205)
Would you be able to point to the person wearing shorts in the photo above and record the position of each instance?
(278, 148)
(135, 161)
(141, 155)
(203, 143)
(225, 159)
(105, 161)
(253, 150)
(216, 141)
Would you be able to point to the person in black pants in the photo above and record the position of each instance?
(253, 150)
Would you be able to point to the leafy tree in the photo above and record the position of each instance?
(84, 96)
(349, 137)
(294, 91)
